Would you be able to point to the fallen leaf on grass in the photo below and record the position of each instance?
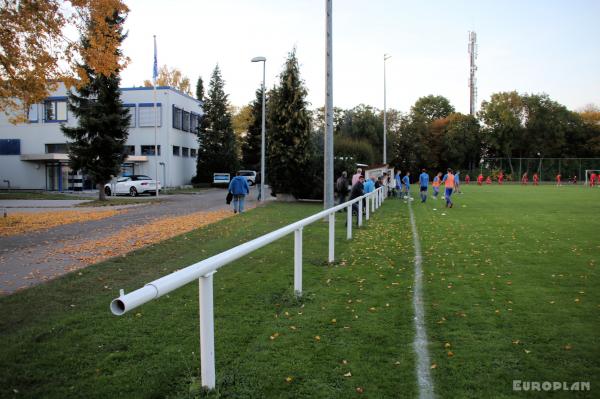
(289, 379)
(348, 374)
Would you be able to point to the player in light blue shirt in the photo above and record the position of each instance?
(406, 181)
(424, 183)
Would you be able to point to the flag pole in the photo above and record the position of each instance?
(154, 77)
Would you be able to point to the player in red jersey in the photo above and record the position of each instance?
(467, 179)
(500, 177)
(480, 179)
(558, 176)
(525, 179)
(593, 179)
(488, 180)
(536, 179)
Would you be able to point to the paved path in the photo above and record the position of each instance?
(31, 258)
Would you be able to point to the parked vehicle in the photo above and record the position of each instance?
(132, 185)
(250, 175)
(221, 178)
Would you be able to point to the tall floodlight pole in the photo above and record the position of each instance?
(472, 70)
(328, 147)
(154, 79)
(385, 58)
(262, 134)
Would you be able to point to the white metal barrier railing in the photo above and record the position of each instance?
(204, 271)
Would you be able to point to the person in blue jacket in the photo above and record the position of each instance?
(369, 185)
(238, 187)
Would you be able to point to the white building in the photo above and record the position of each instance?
(34, 155)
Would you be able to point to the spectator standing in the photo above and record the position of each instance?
(341, 187)
(356, 176)
(257, 182)
(357, 190)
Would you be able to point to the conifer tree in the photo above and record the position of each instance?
(217, 150)
(97, 146)
(200, 89)
(289, 136)
(251, 147)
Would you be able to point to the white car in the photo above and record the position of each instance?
(250, 176)
(132, 185)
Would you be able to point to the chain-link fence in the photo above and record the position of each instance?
(513, 169)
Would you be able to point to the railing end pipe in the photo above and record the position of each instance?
(117, 307)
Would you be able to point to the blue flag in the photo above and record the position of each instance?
(155, 69)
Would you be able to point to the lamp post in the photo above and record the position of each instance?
(262, 138)
(385, 58)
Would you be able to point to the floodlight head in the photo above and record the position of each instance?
(259, 59)
(386, 57)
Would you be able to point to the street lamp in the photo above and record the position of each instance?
(262, 138)
(385, 58)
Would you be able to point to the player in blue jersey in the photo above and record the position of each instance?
(424, 183)
(406, 185)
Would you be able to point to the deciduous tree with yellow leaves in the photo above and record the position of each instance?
(36, 54)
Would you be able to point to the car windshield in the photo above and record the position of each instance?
(122, 179)
(141, 177)
(246, 173)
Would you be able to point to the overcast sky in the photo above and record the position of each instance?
(531, 46)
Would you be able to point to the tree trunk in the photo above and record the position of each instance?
(101, 195)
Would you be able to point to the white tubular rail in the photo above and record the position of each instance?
(205, 269)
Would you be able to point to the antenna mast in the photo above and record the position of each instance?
(472, 70)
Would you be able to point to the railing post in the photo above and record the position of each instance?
(360, 204)
(331, 237)
(298, 262)
(367, 208)
(349, 222)
(207, 331)
(373, 203)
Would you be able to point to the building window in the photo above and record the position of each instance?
(177, 117)
(131, 109)
(10, 147)
(129, 150)
(149, 150)
(146, 115)
(57, 148)
(55, 110)
(194, 122)
(176, 150)
(186, 121)
(185, 152)
(32, 114)
(193, 152)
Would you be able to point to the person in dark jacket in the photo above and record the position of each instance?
(238, 187)
(358, 190)
(341, 187)
(257, 182)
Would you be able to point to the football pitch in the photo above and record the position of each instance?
(510, 291)
(512, 288)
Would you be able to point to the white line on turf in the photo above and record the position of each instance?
(420, 342)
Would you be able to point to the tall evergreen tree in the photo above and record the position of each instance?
(200, 89)
(290, 148)
(217, 150)
(253, 140)
(97, 146)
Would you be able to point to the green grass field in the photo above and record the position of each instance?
(511, 288)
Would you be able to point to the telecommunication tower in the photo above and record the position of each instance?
(472, 70)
